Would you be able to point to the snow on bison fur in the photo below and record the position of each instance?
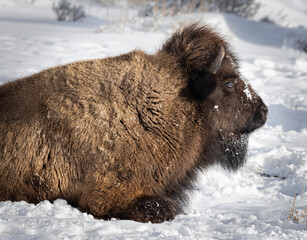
(124, 136)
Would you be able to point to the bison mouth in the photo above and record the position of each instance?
(233, 150)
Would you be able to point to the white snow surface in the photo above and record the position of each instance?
(252, 203)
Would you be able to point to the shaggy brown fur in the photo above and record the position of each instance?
(123, 136)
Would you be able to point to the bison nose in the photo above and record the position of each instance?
(260, 117)
(262, 114)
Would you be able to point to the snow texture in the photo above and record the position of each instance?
(252, 203)
(248, 93)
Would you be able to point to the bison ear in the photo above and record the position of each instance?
(202, 84)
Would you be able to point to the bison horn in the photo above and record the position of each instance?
(216, 64)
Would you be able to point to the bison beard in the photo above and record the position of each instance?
(123, 137)
(233, 151)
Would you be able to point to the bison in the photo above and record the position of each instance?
(124, 137)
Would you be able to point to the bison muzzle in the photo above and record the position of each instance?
(123, 137)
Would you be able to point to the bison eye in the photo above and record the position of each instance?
(230, 84)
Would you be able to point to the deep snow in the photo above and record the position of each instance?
(253, 203)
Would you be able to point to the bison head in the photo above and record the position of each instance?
(229, 106)
(235, 108)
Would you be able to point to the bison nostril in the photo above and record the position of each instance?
(265, 109)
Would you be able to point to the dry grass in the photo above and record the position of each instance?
(297, 215)
(122, 18)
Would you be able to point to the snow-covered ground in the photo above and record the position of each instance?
(253, 203)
